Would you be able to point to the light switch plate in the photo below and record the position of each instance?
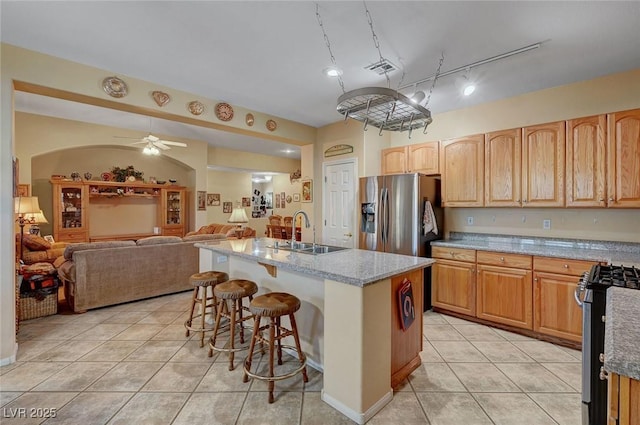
(470, 221)
(546, 224)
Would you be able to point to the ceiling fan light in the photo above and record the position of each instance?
(332, 71)
(146, 150)
(418, 97)
(155, 151)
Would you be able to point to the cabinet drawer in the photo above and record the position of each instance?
(519, 261)
(562, 265)
(459, 254)
(72, 237)
(168, 231)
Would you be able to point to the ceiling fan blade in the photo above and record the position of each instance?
(125, 137)
(169, 142)
(152, 138)
(161, 145)
(140, 142)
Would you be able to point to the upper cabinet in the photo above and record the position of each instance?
(543, 153)
(173, 212)
(586, 162)
(421, 158)
(69, 211)
(623, 152)
(503, 166)
(463, 171)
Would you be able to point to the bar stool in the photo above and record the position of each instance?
(235, 290)
(274, 305)
(203, 280)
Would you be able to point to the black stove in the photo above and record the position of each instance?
(591, 295)
(624, 277)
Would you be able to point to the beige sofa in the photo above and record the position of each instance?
(100, 274)
(226, 230)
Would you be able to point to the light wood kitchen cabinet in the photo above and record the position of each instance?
(555, 310)
(394, 160)
(504, 289)
(586, 162)
(543, 165)
(623, 400)
(424, 158)
(69, 211)
(173, 205)
(453, 283)
(462, 170)
(623, 152)
(421, 158)
(503, 165)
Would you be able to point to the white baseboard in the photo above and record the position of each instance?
(357, 417)
(12, 359)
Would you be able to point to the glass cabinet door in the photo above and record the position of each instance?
(71, 207)
(174, 207)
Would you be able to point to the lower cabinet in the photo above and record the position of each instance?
(556, 312)
(453, 283)
(624, 400)
(505, 295)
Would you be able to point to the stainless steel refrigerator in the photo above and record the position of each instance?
(401, 214)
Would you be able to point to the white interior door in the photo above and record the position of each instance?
(339, 205)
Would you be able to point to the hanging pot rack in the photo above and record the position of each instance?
(384, 108)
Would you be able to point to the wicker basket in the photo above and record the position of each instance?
(38, 304)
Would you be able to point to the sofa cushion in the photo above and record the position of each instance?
(158, 240)
(71, 248)
(35, 242)
(204, 237)
(40, 268)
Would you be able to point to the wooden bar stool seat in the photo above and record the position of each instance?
(273, 306)
(233, 291)
(203, 281)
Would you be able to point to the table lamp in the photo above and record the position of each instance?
(35, 220)
(26, 207)
(238, 216)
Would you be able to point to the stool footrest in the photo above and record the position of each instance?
(303, 364)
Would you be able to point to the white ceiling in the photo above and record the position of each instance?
(268, 56)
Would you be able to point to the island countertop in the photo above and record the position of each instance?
(353, 266)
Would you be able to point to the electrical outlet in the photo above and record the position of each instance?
(221, 259)
(470, 221)
(546, 224)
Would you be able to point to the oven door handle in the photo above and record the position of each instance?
(580, 290)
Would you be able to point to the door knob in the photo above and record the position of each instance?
(348, 234)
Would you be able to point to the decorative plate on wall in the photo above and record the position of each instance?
(249, 120)
(196, 107)
(271, 125)
(160, 97)
(115, 87)
(224, 111)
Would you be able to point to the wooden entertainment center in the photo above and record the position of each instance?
(71, 201)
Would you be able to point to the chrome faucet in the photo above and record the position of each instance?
(307, 224)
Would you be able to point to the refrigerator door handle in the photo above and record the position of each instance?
(385, 217)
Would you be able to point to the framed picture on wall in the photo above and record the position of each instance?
(23, 190)
(209, 199)
(226, 207)
(307, 190)
(268, 199)
(282, 200)
(246, 202)
(296, 197)
(277, 200)
(202, 200)
(216, 199)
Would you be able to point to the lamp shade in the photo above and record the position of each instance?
(25, 205)
(38, 218)
(238, 215)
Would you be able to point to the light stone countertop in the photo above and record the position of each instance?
(353, 266)
(619, 253)
(622, 332)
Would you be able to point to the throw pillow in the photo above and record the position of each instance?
(204, 237)
(35, 242)
(81, 246)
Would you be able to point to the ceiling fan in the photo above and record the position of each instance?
(153, 144)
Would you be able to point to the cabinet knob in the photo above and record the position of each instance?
(535, 279)
(611, 199)
(524, 200)
(566, 266)
(601, 199)
(502, 259)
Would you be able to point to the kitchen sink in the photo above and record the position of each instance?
(306, 247)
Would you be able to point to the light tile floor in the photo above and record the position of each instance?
(131, 364)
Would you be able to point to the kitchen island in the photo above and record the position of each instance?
(349, 322)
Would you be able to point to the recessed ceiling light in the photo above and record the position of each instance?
(332, 71)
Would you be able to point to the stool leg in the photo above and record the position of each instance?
(193, 307)
(216, 326)
(241, 321)
(301, 355)
(232, 332)
(279, 339)
(203, 302)
(254, 336)
(272, 327)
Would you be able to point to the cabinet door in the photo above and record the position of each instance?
(586, 162)
(424, 158)
(623, 150)
(503, 164)
(453, 286)
(173, 212)
(462, 162)
(504, 295)
(555, 310)
(69, 212)
(543, 153)
(394, 160)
